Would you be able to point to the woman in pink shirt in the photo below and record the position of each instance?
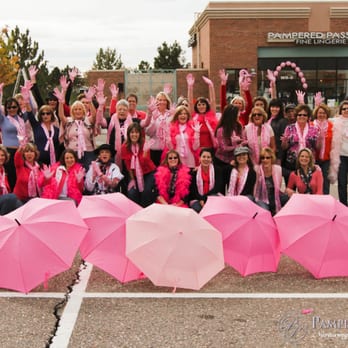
(308, 177)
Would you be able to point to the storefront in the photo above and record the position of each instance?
(305, 43)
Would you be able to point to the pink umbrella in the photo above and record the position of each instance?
(174, 246)
(38, 241)
(313, 231)
(250, 238)
(105, 243)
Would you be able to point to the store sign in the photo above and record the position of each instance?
(310, 37)
(192, 41)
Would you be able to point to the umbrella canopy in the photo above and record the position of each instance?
(38, 241)
(250, 237)
(105, 243)
(174, 246)
(313, 231)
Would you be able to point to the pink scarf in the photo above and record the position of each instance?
(301, 136)
(162, 130)
(115, 124)
(322, 126)
(135, 165)
(237, 184)
(3, 188)
(183, 149)
(199, 179)
(255, 142)
(49, 144)
(33, 188)
(81, 144)
(20, 126)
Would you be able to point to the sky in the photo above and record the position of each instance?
(71, 32)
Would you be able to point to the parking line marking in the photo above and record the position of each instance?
(71, 310)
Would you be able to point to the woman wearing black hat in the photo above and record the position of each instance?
(103, 175)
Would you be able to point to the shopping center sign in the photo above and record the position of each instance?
(310, 37)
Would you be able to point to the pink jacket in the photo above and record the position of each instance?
(51, 186)
(182, 185)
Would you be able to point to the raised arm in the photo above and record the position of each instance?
(190, 82)
(212, 98)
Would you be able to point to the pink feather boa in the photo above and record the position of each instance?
(74, 188)
(182, 186)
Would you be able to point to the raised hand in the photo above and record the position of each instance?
(80, 174)
(64, 83)
(190, 80)
(100, 86)
(46, 171)
(300, 96)
(33, 70)
(270, 76)
(223, 76)
(90, 93)
(152, 104)
(318, 99)
(167, 88)
(101, 99)
(59, 94)
(207, 81)
(114, 90)
(244, 80)
(196, 126)
(73, 73)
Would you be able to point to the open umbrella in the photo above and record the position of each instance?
(105, 243)
(250, 237)
(313, 231)
(37, 241)
(174, 246)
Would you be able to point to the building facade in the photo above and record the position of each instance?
(305, 43)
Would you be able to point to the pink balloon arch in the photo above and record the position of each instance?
(293, 66)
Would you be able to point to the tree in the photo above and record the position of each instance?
(8, 64)
(144, 66)
(169, 56)
(107, 60)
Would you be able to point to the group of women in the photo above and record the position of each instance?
(171, 154)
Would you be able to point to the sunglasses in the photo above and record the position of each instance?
(304, 115)
(344, 109)
(12, 107)
(172, 158)
(256, 115)
(46, 113)
(265, 157)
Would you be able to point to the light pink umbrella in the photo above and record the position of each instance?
(105, 243)
(38, 241)
(313, 231)
(250, 237)
(174, 246)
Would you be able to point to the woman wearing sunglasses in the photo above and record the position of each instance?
(297, 136)
(258, 133)
(173, 181)
(14, 133)
(46, 134)
(268, 192)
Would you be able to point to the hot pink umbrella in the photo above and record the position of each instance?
(174, 246)
(313, 231)
(38, 241)
(250, 238)
(105, 243)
